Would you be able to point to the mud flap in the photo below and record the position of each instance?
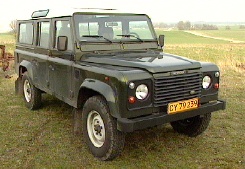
(77, 121)
(18, 86)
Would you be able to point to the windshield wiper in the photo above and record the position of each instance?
(128, 36)
(96, 36)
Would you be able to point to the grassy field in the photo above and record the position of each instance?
(181, 37)
(44, 138)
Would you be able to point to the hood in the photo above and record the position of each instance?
(154, 63)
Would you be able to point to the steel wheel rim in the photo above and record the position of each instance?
(27, 90)
(96, 129)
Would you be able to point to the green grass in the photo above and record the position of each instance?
(181, 37)
(44, 138)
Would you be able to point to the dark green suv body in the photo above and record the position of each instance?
(110, 67)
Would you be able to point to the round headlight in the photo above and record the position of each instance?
(206, 81)
(141, 92)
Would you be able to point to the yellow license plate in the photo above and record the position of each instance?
(180, 106)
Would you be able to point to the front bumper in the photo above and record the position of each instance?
(130, 125)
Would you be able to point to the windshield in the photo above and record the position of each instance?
(113, 28)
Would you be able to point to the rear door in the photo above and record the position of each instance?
(42, 52)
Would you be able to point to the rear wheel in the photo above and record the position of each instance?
(193, 126)
(100, 130)
(31, 94)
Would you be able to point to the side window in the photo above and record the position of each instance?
(43, 31)
(26, 33)
(63, 29)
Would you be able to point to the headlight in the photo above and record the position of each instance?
(206, 81)
(141, 92)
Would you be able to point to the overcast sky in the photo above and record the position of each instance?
(158, 10)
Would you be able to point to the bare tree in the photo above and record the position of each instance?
(242, 27)
(227, 28)
(13, 26)
(181, 25)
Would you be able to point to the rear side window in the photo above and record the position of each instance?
(43, 31)
(26, 33)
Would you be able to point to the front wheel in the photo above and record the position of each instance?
(31, 94)
(193, 126)
(100, 130)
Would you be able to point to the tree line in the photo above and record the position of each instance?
(187, 25)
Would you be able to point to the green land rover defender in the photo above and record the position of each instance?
(111, 68)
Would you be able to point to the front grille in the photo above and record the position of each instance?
(176, 88)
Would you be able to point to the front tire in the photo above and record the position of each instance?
(193, 126)
(31, 94)
(100, 130)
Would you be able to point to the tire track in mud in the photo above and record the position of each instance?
(216, 38)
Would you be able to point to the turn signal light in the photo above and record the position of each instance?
(131, 100)
(216, 85)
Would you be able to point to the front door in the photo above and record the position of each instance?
(60, 63)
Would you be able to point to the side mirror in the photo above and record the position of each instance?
(161, 40)
(62, 43)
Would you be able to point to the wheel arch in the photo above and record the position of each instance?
(26, 66)
(91, 87)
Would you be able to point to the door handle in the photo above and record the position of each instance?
(35, 62)
(51, 67)
(49, 53)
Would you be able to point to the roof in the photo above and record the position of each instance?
(52, 13)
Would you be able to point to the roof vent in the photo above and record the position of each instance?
(40, 13)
